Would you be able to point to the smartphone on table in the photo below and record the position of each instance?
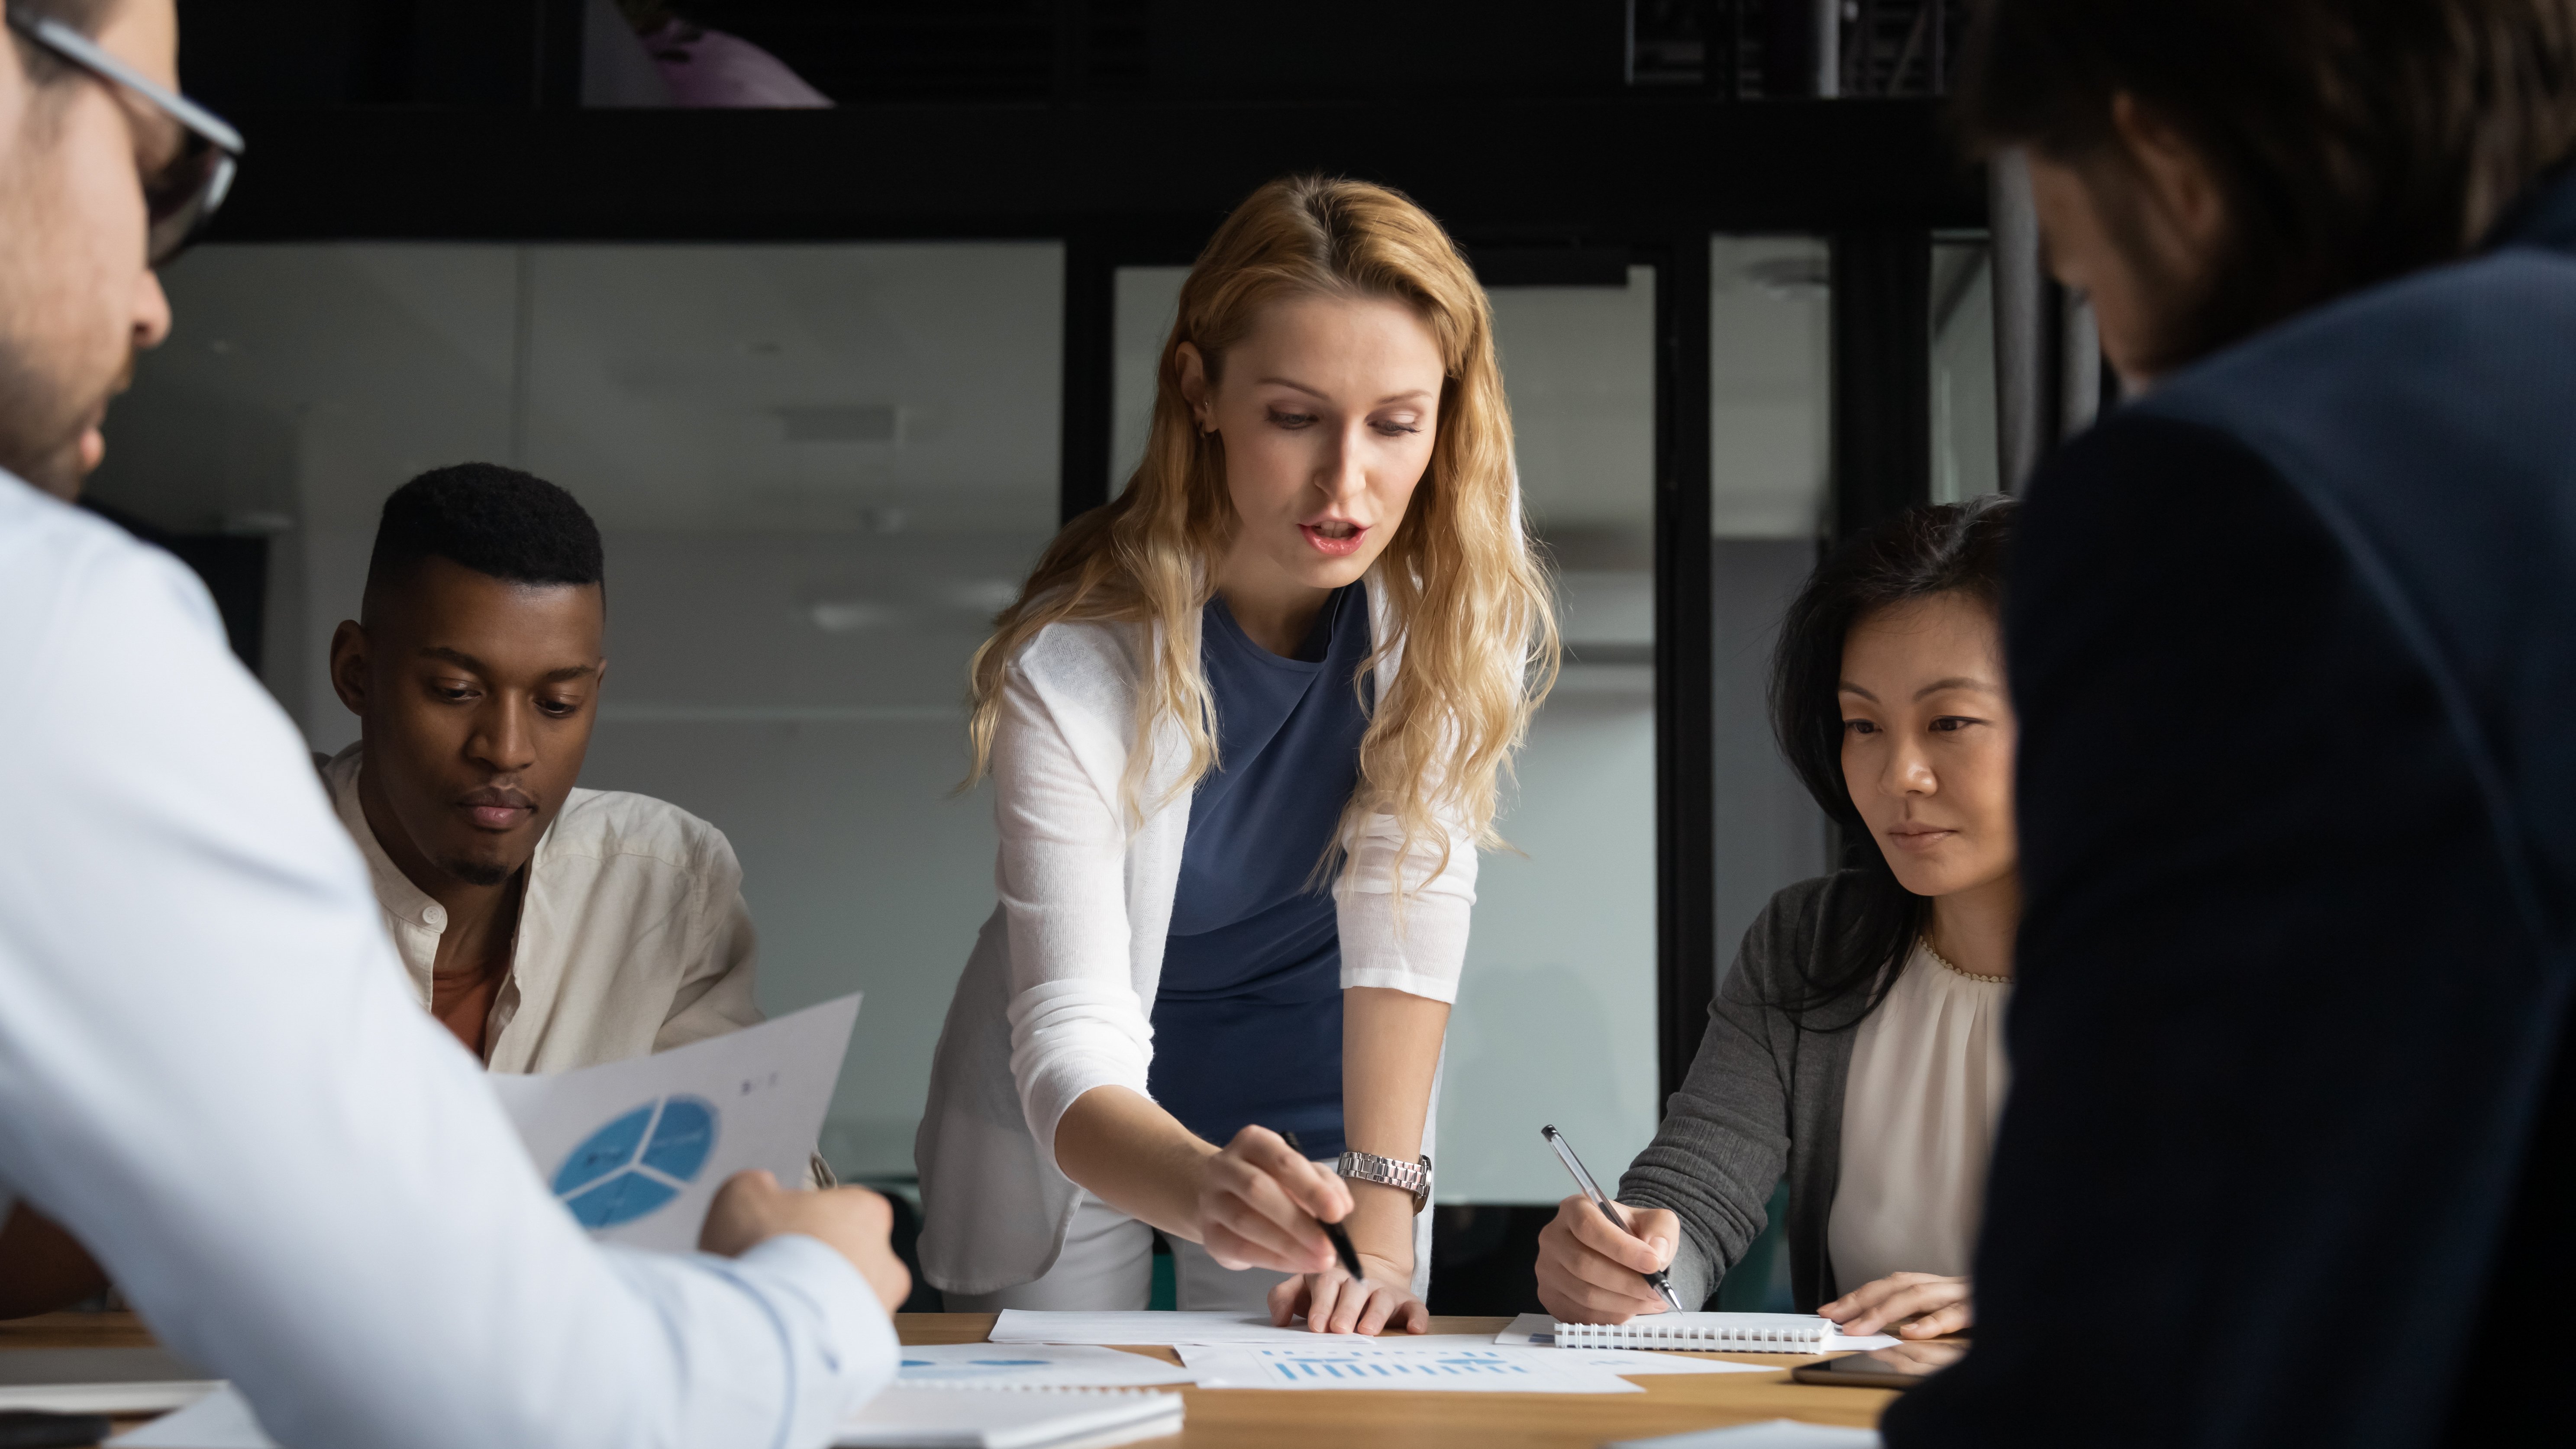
(1898, 1366)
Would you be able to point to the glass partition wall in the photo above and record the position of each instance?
(1963, 368)
(1560, 978)
(1770, 313)
(821, 468)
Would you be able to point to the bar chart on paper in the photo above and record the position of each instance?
(1466, 1367)
(1300, 1366)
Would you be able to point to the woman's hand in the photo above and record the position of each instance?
(1259, 1202)
(1333, 1303)
(1921, 1305)
(1590, 1272)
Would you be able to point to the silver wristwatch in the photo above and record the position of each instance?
(1413, 1177)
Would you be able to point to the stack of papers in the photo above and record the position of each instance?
(899, 1418)
(1247, 1351)
(99, 1380)
(1435, 1363)
(902, 1418)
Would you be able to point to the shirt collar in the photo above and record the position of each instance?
(394, 890)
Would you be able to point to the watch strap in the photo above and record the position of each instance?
(1413, 1177)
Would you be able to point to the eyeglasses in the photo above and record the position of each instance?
(181, 196)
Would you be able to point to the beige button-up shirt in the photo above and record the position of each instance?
(633, 936)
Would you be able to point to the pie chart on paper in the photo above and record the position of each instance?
(639, 1161)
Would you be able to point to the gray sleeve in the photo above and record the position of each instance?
(1724, 1139)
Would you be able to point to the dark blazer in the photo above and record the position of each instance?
(2293, 643)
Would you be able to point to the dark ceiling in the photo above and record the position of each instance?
(329, 53)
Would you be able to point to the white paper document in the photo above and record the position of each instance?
(1539, 1330)
(100, 1380)
(904, 1418)
(1631, 1361)
(1770, 1434)
(1013, 1417)
(1450, 1363)
(1032, 1366)
(636, 1149)
(1616, 1360)
(1149, 1328)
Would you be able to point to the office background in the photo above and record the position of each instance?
(829, 378)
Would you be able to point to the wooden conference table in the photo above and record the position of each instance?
(1262, 1418)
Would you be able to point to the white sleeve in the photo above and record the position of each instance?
(211, 1072)
(1076, 1022)
(1420, 947)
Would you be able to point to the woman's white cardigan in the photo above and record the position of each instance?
(1058, 995)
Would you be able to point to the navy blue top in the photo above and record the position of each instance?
(1248, 1020)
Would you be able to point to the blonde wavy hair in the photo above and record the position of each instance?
(1467, 597)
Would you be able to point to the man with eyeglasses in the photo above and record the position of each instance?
(209, 1068)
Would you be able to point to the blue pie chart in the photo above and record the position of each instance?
(638, 1162)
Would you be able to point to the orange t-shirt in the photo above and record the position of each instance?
(463, 1004)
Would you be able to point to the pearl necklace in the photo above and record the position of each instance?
(1954, 969)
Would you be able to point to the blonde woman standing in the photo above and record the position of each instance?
(1244, 726)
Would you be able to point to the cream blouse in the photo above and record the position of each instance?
(1926, 1084)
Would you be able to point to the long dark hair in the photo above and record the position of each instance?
(1922, 553)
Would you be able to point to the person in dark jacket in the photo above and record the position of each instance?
(1857, 1045)
(2293, 642)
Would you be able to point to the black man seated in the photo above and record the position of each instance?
(547, 927)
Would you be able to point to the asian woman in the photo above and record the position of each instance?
(1857, 1045)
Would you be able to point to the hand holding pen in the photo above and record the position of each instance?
(1599, 1262)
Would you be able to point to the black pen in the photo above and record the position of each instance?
(1661, 1282)
(1335, 1233)
(1350, 1256)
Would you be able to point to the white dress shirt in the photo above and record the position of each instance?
(1058, 995)
(210, 1071)
(1920, 1100)
(633, 937)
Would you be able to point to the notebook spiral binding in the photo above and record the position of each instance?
(1741, 1338)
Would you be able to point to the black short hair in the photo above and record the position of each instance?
(498, 521)
(1923, 553)
(2353, 140)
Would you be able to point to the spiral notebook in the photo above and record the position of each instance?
(1718, 1332)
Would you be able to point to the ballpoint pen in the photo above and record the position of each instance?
(1658, 1279)
(1339, 1236)
(1342, 1249)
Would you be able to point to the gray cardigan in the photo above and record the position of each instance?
(1764, 1096)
